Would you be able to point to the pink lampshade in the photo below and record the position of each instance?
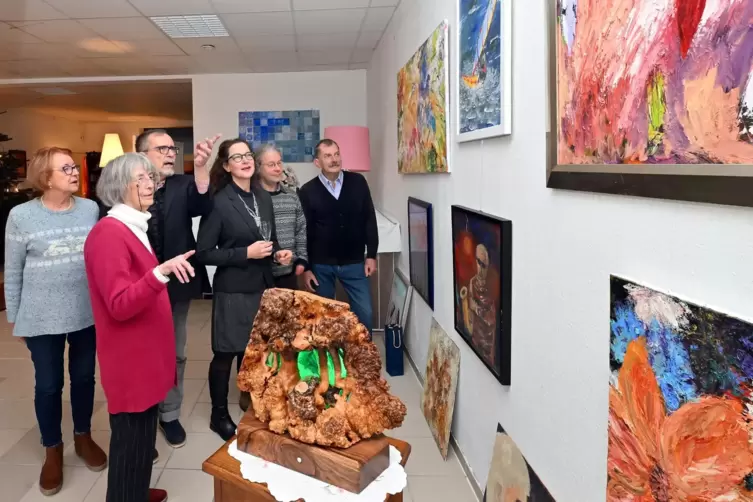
(354, 146)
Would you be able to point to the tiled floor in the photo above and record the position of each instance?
(430, 479)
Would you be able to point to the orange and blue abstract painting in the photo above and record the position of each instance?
(422, 108)
(654, 82)
(680, 400)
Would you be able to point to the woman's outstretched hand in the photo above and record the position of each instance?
(179, 267)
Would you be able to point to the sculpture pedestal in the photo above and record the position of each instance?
(351, 469)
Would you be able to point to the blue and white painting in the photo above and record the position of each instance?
(484, 80)
(294, 132)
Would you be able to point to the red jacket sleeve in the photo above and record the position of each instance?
(108, 266)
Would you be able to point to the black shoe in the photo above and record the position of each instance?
(245, 401)
(221, 423)
(155, 458)
(175, 434)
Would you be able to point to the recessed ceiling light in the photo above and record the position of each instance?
(208, 47)
(191, 26)
(53, 91)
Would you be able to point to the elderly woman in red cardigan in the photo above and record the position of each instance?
(132, 316)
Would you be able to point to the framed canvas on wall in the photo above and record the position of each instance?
(675, 123)
(421, 249)
(482, 286)
(484, 79)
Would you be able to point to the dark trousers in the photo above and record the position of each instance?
(289, 281)
(355, 283)
(47, 354)
(219, 376)
(132, 442)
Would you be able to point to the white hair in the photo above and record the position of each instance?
(118, 174)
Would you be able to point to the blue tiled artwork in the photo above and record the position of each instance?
(294, 132)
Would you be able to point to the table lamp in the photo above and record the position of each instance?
(111, 148)
(354, 146)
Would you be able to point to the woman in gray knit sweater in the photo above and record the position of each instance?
(47, 299)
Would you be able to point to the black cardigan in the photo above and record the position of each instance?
(339, 230)
(224, 237)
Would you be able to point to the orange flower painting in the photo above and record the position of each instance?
(440, 384)
(679, 401)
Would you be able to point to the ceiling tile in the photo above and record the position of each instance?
(261, 42)
(83, 68)
(56, 31)
(358, 66)
(11, 34)
(97, 47)
(35, 69)
(329, 4)
(126, 66)
(80, 9)
(273, 58)
(377, 18)
(345, 41)
(28, 10)
(172, 7)
(243, 6)
(323, 57)
(361, 56)
(274, 23)
(174, 65)
(273, 67)
(193, 46)
(129, 28)
(158, 47)
(369, 39)
(222, 63)
(322, 21)
(34, 51)
(323, 67)
(384, 3)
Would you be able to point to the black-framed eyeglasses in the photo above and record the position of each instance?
(240, 157)
(69, 168)
(165, 149)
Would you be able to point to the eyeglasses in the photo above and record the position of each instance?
(69, 168)
(270, 165)
(145, 178)
(238, 157)
(164, 149)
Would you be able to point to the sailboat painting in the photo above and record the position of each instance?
(485, 69)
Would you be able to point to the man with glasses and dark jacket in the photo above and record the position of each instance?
(178, 198)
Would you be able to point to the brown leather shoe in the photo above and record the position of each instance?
(92, 455)
(51, 478)
(156, 495)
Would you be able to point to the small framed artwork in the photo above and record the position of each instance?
(421, 249)
(397, 312)
(484, 79)
(482, 286)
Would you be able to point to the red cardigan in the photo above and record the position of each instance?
(132, 317)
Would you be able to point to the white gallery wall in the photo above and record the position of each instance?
(340, 96)
(565, 246)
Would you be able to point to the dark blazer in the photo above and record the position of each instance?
(182, 203)
(224, 237)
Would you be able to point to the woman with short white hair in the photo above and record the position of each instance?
(133, 318)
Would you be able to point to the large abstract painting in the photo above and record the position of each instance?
(653, 98)
(421, 248)
(485, 69)
(511, 478)
(440, 384)
(422, 108)
(482, 289)
(680, 400)
(294, 132)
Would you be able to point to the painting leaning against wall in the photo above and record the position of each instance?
(653, 98)
(680, 400)
(422, 108)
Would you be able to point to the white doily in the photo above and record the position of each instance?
(287, 486)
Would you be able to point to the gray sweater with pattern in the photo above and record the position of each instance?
(46, 292)
(290, 224)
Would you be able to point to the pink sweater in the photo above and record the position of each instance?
(132, 316)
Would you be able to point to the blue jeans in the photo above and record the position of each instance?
(355, 283)
(47, 353)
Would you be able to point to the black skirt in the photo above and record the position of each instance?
(232, 319)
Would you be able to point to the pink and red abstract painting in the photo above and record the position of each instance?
(660, 83)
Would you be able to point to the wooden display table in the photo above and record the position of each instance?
(229, 485)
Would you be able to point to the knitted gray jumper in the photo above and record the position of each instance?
(290, 224)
